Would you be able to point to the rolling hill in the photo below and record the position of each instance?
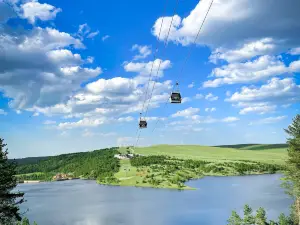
(274, 154)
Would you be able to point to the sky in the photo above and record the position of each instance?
(76, 76)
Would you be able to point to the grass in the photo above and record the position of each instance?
(129, 176)
(267, 154)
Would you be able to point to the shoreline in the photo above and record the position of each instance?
(149, 185)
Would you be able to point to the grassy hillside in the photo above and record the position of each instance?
(266, 155)
(255, 146)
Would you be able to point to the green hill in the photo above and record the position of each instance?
(254, 146)
(267, 154)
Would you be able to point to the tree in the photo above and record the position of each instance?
(9, 201)
(248, 217)
(260, 218)
(293, 163)
(235, 219)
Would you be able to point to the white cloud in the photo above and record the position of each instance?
(249, 50)
(2, 112)
(230, 119)
(295, 51)
(210, 109)
(239, 19)
(92, 34)
(259, 108)
(199, 96)
(34, 10)
(49, 122)
(228, 93)
(144, 69)
(268, 120)
(276, 90)
(252, 71)
(93, 122)
(84, 31)
(144, 51)
(191, 85)
(211, 97)
(186, 112)
(88, 133)
(39, 71)
(105, 37)
(264, 99)
(185, 99)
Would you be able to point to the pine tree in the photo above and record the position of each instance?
(9, 202)
(248, 217)
(234, 219)
(260, 218)
(293, 163)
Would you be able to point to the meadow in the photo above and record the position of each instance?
(273, 154)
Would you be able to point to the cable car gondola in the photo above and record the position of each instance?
(175, 96)
(142, 123)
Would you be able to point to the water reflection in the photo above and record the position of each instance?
(86, 203)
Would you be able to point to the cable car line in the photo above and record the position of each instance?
(154, 58)
(190, 49)
(165, 46)
(166, 41)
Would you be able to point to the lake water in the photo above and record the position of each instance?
(79, 202)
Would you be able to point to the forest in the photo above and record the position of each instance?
(98, 164)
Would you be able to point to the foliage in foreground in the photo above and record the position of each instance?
(9, 204)
(293, 164)
(260, 218)
(25, 221)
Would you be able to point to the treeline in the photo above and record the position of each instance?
(98, 164)
(36, 176)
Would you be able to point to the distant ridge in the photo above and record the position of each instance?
(29, 160)
(254, 146)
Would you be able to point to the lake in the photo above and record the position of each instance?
(79, 202)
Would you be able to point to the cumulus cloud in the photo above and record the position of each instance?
(143, 50)
(249, 50)
(295, 51)
(210, 109)
(281, 22)
(144, 69)
(276, 90)
(264, 99)
(38, 70)
(256, 107)
(211, 97)
(185, 99)
(252, 71)
(92, 122)
(186, 112)
(34, 10)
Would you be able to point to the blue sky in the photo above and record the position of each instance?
(74, 77)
